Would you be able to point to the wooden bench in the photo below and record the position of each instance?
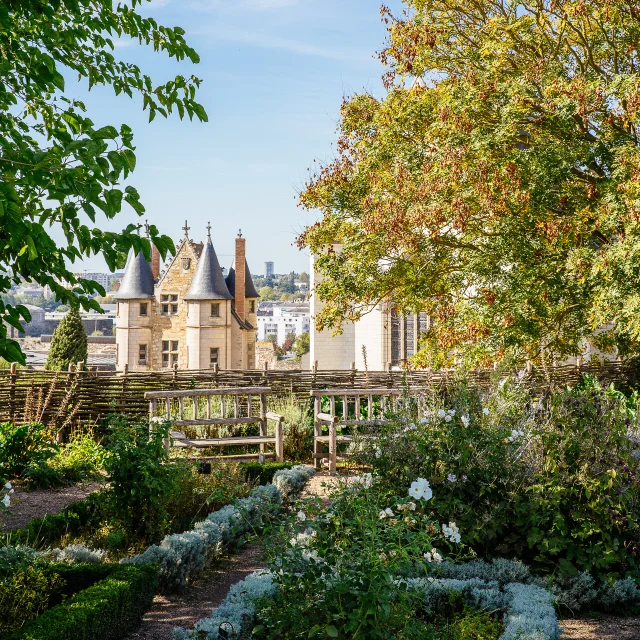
(363, 401)
(241, 399)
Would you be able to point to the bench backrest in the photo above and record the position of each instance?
(232, 405)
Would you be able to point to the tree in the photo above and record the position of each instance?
(302, 344)
(500, 191)
(57, 169)
(267, 293)
(68, 343)
(304, 277)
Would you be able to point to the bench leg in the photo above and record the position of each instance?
(317, 446)
(333, 448)
(279, 442)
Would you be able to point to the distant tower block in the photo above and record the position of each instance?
(268, 269)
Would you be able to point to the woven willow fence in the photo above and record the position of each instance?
(96, 394)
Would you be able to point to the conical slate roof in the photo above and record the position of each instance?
(249, 288)
(208, 282)
(137, 282)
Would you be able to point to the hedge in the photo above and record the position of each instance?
(263, 472)
(107, 610)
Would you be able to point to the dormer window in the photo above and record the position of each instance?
(215, 309)
(169, 304)
(186, 264)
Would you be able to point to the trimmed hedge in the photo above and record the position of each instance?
(52, 527)
(107, 610)
(263, 472)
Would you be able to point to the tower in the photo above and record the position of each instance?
(208, 313)
(134, 314)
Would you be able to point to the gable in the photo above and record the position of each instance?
(176, 278)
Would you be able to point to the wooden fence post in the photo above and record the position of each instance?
(13, 374)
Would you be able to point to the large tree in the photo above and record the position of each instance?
(57, 170)
(496, 185)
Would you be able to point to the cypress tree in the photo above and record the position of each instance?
(68, 344)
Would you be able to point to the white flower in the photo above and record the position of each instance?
(427, 556)
(393, 554)
(378, 453)
(412, 506)
(420, 489)
(389, 512)
(366, 479)
(8, 485)
(515, 435)
(301, 516)
(432, 556)
(452, 477)
(382, 557)
(6, 501)
(451, 532)
(465, 420)
(486, 411)
(451, 412)
(447, 418)
(441, 413)
(157, 420)
(464, 478)
(382, 515)
(424, 420)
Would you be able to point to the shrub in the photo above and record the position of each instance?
(297, 427)
(262, 473)
(140, 477)
(550, 481)
(291, 481)
(107, 610)
(22, 445)
(68, 343)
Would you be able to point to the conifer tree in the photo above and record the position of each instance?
(69, 343)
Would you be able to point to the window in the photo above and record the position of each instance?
(144, 308)
(215, 309)
(214, 357)
(252, 306)
(169, 304)
(142, 353)
(186, 263)
(169, 353)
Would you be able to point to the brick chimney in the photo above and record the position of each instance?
(155, 262)
(240, 275)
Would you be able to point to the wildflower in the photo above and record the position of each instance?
(6, 501)
(447, 418)
(8, 485)
(516, 434)
(451, 532)
(486, 411)
(378, 453)
(393, 554)
(382, 515)
(420, 489)
(451, 412)
(424, 420)
(301, 516)
(465, 420)
(366, 479)
(432, 556)
(412, 506)
(389, 512)
(156, 420)
(451, 477)
(442, 413)
(383, 557)
(393, 521)
(464, 478)
(410, 521)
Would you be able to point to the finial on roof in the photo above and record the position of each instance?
(209, 230)
(239, 233)
(146, 228)
(186, 229)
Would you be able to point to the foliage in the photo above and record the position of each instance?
(139, 476)
(297, 426)
(24, 445)
(499, 191)
(77, 553)
(302, 344)
(81, 459)
(551, 481)
(58, 169)
(262, 472)
(291, 481)
(107, 610)
(68, 343)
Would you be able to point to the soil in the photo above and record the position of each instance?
(37, 503)
(604, 628)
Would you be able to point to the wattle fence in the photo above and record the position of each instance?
(95, 394)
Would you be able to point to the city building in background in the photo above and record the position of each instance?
(280, 319)
(268, 270)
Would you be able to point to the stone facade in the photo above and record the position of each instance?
(187, 318)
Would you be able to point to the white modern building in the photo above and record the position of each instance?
(280, 319)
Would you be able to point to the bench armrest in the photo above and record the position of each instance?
(326, 417)
(274, 416)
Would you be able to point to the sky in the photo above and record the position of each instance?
(274, 75)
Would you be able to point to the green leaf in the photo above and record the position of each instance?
(331, 631)
(108, 132)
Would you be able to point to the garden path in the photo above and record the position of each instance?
(204, 595)
(26, 505)
(605, 628)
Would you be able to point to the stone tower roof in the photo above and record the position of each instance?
(208, 282)
(249, 288)
(137, 282)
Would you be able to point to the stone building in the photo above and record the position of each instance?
(190, 316)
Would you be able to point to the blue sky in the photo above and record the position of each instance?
(274, 73)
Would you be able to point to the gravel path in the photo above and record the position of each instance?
(605, 628)
(26, 505)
